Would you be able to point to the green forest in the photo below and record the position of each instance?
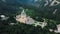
(11, 10)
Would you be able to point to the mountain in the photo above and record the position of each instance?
(41, 6)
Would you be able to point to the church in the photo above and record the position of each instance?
(23, 18)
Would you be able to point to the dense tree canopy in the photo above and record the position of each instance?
(11, 8)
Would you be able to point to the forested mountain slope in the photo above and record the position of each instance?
(48, 7)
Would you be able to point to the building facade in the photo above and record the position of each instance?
(23, 18)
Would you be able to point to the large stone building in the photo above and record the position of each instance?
(23, 18)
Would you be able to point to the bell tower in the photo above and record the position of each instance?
(23, 17)
(23, 14)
